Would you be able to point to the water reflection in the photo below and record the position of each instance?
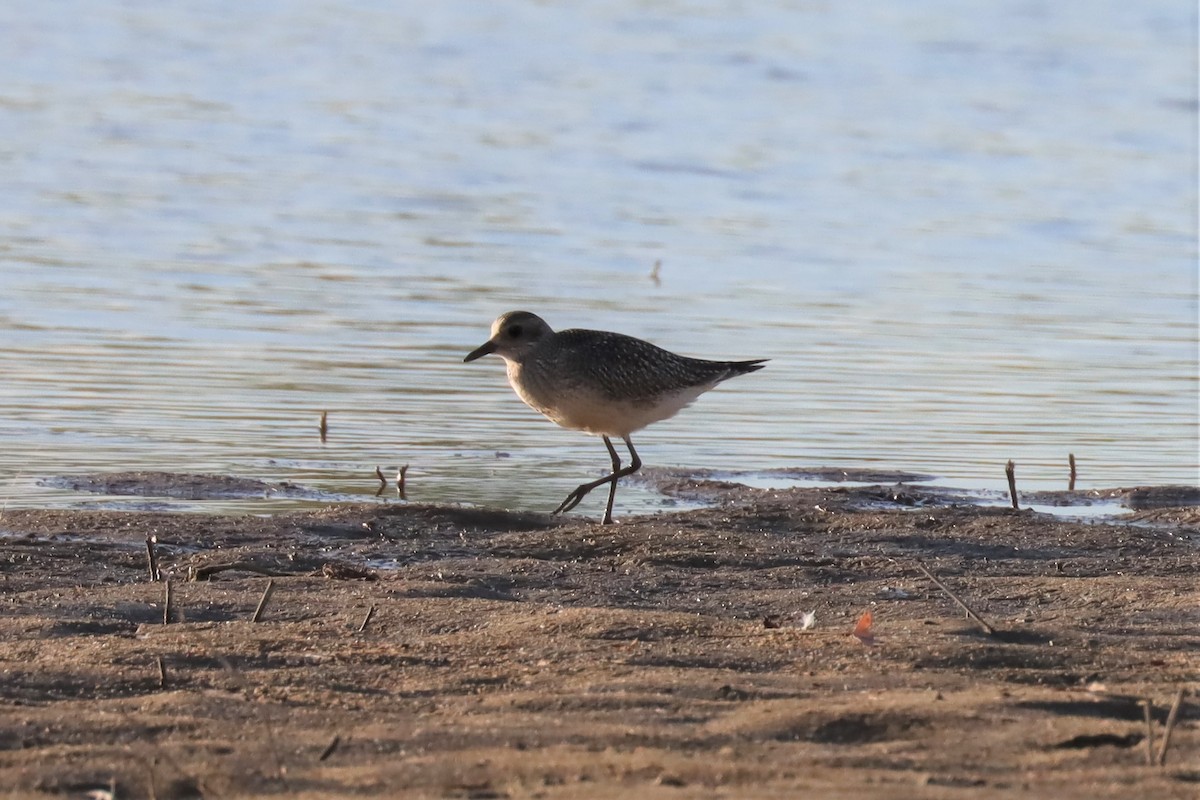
(959, 239)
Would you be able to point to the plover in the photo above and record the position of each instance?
(606, 384)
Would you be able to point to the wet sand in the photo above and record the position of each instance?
(411, 650)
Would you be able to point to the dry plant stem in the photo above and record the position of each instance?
(152, 559)
(400, 476)
(208, 570)
(367, 619)
(988, 629)
(151, 766)
(1171, 718)
(162, 673)
(1148, 713)
(324, 425)
(1010, 471)
(1071, 461)
(262, 601)
(382, 481)
(333, 745)
(167, 602)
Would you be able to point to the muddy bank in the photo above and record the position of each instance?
(450, 652)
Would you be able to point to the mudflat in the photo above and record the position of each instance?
(421, 651)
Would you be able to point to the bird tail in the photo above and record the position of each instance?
(735, 368)
(744, 367)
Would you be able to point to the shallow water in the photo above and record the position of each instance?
(960, 238)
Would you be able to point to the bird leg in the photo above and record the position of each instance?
(618, 472)
(634, 465)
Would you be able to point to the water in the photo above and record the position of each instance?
(961, 238)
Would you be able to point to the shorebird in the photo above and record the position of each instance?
(606, 384)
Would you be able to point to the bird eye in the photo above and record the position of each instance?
(514, 331)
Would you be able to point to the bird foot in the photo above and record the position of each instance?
(582, 491)
(574, 498)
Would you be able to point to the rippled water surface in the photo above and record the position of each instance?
(960, 238)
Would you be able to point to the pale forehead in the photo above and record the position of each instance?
(523, 317)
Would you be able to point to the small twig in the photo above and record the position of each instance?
(400, 481)
(367, 619)
(382, 481)
(262, 602)
(1071, 461)
(1148, 713)
(655, 273)
(1172, 716)
(167, 602)
(1010, 470)
(151, 766)
(324, 425)
(152, 558)
(208, 570)
(988, 629)
(162, 672)
(333, 745)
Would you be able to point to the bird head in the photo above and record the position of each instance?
(512, 335)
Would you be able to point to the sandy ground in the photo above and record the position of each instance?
(524, 656)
